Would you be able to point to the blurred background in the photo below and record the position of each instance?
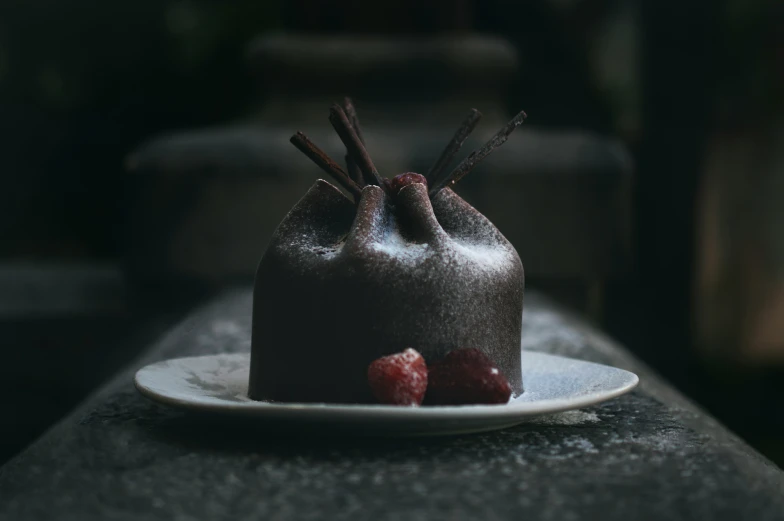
(144, 160)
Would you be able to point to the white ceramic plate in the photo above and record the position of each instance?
(219, 384)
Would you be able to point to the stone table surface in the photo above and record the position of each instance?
(648, 455)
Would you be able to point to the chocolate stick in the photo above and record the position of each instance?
(354, 146)
(326, 163)
(465, 129)
(467, 164)
(353, 171)
(351, 113)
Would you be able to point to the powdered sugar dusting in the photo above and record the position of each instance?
(395, 245)
(487, 258)
(410, 355)
(568, 418)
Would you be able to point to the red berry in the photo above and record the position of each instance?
(466, 376)
(406, 179)
(399, 379)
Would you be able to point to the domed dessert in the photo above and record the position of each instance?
(397, 264)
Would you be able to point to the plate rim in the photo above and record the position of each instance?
(386, 413)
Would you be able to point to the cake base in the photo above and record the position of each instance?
(342, 285)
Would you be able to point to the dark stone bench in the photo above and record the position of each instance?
(56, 319)
(647, 455)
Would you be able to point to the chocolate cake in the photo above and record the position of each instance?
(407, 263)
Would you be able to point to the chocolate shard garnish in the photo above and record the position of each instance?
(454, 145)
(326, 163)
(353, 170)
(478, 155)
(356, 150)
(351, 112)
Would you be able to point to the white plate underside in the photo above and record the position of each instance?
(219, 384)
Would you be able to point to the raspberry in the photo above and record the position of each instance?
(466, 376)
(406, 179)
(399, 379)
